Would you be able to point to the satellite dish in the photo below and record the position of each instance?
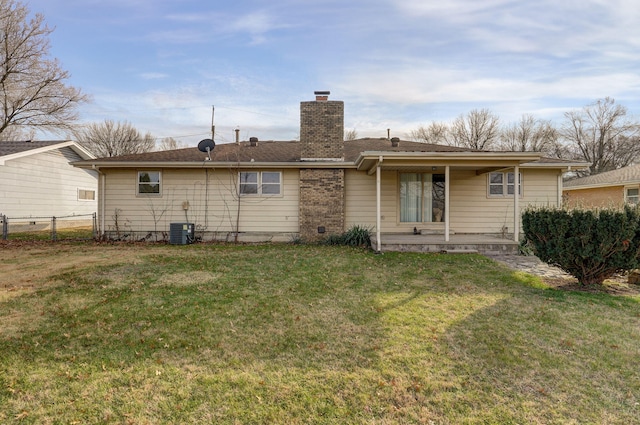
(206, 145)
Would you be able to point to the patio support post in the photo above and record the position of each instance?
(446, 203)
(101, 202)
(559, 190)
(378, 207)
(516, 203)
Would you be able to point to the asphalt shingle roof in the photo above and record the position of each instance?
(615, 177)
(12, 147)
(278, 151)
(290, 152)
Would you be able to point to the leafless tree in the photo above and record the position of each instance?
(350, 134)
(111, 138)
(169, 143)
(529, 135)
(15, 132)
(479, 129)
(33, 89)
(435, 133)
(602, 134)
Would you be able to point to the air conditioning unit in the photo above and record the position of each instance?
(181, 233)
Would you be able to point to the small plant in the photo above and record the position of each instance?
(358, 236)
(355, 236)
(526, 248)
(335, 240)
(295, 239)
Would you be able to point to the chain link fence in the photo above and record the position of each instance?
(70, 227)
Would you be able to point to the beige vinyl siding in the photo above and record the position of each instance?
(598, 197)
(45, 185)
(212, 210)
(473, 211)
(361, 201)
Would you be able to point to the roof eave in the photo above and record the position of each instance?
(602, 185)
(212, 164)
(77, 148)
(562, 165)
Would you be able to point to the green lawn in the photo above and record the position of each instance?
(296, 334)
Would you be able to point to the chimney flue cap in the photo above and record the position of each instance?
(322, 95)
(253, 141)
(395, 141)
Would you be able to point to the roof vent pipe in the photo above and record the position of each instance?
(253, 141)
(395, 141)
(237, 130)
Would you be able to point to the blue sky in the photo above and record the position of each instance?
(398, 64)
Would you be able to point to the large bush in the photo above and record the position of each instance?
(591, 245)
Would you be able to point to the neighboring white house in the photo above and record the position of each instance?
(38, 180)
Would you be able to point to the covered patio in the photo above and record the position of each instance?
(443, 237)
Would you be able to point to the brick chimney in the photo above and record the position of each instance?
(322, 129)
(322, 202)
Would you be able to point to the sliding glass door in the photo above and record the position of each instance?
(421, 197)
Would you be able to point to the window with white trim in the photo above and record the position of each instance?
(503, 184)
(266, 183)
(149, 183)
(632, 195)
(86, 195)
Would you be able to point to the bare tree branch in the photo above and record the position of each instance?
(436, 133)
(602, 134)
(109, 139)
(33, 92)
(529, 135)
(350, 134)
(169, 144)
(478, 129)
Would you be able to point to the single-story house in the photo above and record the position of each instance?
(37, 180)
(322, 185)
(609, 189)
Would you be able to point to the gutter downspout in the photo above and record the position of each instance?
(378, 207)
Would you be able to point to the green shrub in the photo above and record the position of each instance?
(355, 236)
(591, 245)
(335, 240)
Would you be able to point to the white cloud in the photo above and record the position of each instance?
(200, 28)
(544, 26)
(426, 82)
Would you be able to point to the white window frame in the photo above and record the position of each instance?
(262, 183)
(504, 184)
(82, 190)
(632, 199)
(139, 183)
